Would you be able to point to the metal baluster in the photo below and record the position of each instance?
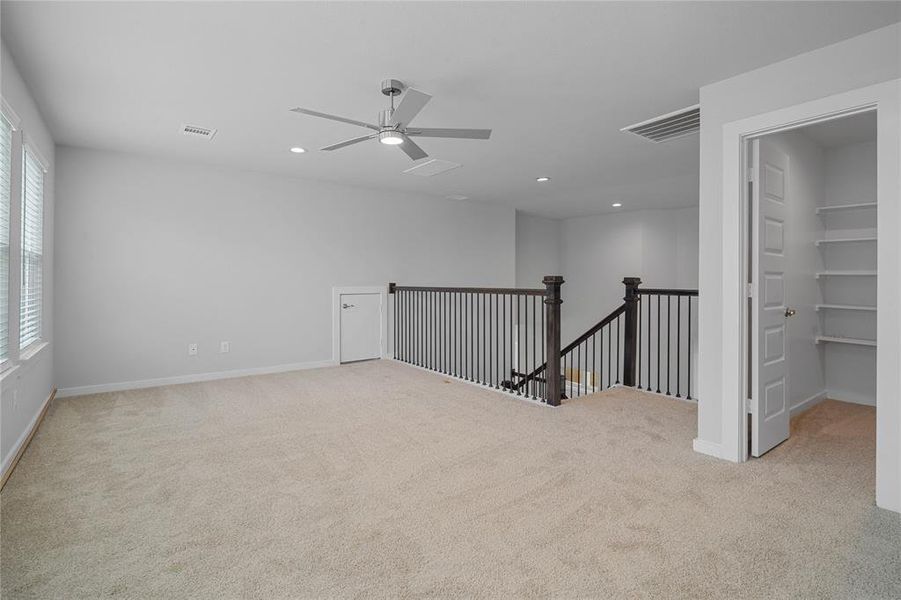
(678, 346)
(658, 344)
(467, 334)
(497, 341)
(453, 300)
(650, 301)
(517, 364)
(688, 395)
(503, 339)
(638, 353)
(534, 349)
(543, 391)
(609, 354)
(617, 349)
(669, 345)
(473, 333)
(585, 366)
(601, 361)
(485, 376)
(524, 367)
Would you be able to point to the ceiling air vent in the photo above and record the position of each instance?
(432, 167)
(669, 126)
(198, 132)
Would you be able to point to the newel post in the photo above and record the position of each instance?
(552, 302)
(630, 338)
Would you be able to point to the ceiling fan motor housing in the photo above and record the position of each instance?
(392, 87)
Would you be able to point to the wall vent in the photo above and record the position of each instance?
(669, 126)
(432, 167)
(198, 132)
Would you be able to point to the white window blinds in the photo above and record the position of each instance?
(6, 151)
(31, 302)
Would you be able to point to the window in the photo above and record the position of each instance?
(31, 297)
(6, 151)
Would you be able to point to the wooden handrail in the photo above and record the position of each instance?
(593, 330)
(469, 290)
(665, 292)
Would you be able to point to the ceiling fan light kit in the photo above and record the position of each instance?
(392, 129)
(391, 138)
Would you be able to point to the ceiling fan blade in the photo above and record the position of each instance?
(470, 134)
(350, 142)
(412, 102)
(314, 113)
(411, 149)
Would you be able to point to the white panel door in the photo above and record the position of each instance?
(361, 326)
(769, 377)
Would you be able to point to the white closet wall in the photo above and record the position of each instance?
(850, 180)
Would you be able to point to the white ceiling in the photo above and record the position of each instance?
(555, 81)
(855, 129)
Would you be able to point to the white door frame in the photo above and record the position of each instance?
(337, 292)
(885, 98)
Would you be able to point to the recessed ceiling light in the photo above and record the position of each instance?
(616, 204)
(297, 150)
(542, 179)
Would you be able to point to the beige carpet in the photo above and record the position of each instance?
(379, 480)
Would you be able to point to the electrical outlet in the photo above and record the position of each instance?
(224, 347)
(192, 349)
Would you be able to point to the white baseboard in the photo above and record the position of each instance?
(808, 403)
(704, 447)
(852, 397)
(194, 378)
(15, 453)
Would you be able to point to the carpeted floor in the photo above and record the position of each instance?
(380, 480)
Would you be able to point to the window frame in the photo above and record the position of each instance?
(29, 150)
(10, 116)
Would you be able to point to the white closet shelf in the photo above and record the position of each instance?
(846, 274)
(845, 340)
(841, 207)
(845, 240)
(846, 307)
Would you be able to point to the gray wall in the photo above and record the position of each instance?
(154, 255)
(660, 246)
(24, 389)
(538, 249)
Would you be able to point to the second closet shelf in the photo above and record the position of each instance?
(844, 240)
(845, 340)
(846, 307)
(846, 274)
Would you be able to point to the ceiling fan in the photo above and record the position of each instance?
(393, 128)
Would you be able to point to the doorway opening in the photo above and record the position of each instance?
(811, 271)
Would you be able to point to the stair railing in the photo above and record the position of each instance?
(482, 335)
(646, 342)
(500, 337)
(665, 334)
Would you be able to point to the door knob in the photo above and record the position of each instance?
(790, 312)
(347, 306)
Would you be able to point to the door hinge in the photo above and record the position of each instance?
(749, 290)
(749, 406)
(751, 174)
